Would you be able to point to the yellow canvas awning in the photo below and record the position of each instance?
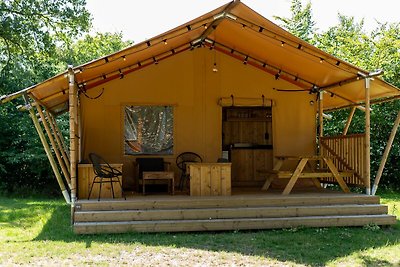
(238, 31)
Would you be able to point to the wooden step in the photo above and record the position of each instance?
(223, 213)
(230, 224)
(182, 202)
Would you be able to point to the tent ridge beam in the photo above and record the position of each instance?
(218, 19)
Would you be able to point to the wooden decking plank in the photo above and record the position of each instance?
(214, 213)
(223, 213)
(168, 202)
(232, 224)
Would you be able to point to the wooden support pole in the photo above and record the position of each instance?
(367, 138)
(54, 123)
(321, 124)
(321, 114)
(60, 140)
(48, 152)
(386, 154)
(78, 125)
(73, 131)
(54, 145)
(349, 119)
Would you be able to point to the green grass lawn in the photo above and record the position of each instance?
(39, 232)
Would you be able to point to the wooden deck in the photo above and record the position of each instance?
(182, 213)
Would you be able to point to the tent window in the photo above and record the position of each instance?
(149, 130)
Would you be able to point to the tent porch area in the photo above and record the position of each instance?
(246, 96)
(240, 211)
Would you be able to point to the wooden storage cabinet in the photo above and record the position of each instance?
(242, 166)
(248, 136)
(246, 163)
(254, 132)
(85, 179)
(247, 125)
(210, 179)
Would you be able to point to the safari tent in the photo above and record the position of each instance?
(232, 87)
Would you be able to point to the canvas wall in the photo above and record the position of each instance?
(187, 82)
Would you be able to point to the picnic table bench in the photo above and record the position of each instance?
(300, 172)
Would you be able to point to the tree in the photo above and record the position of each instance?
(347, 41)
(386, 56)
(32, 28)
(37, 41)
(92, 47)
(378, 50)
(300, 23)
(29, 34)
(20, 146)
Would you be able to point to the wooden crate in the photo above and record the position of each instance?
(85, 178)
(210, 179)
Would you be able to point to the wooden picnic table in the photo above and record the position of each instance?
(301, 172)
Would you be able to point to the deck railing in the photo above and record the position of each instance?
(348, 152)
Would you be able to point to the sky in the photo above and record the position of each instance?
(140, 20)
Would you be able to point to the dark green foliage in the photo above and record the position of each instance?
(300, 23)
(379, 49)
(382, 119)
(30, 32)
(92, 47)
(35, 26)
(37, 42)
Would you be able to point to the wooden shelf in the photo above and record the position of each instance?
(248, 114)
(249, 119)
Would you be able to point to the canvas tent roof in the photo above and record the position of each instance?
(238, 31)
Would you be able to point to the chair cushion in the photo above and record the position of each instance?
(150, 164)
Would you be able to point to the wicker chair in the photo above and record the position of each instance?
(181, 161)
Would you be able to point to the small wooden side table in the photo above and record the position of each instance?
(147, 176)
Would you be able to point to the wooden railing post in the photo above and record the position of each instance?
(348, 152)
